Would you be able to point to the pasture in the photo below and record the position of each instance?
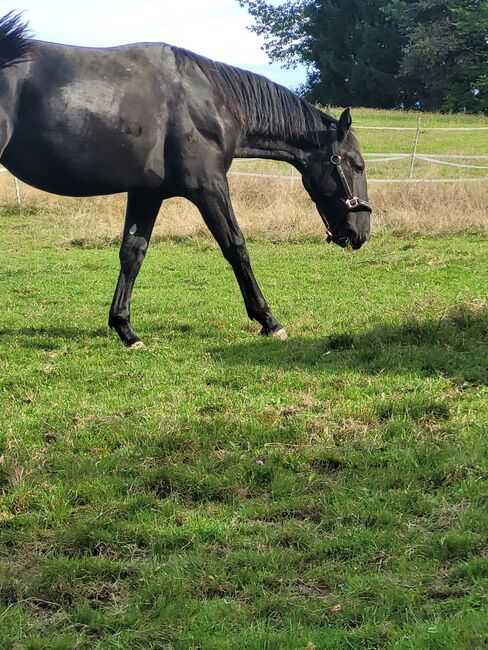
(281, 210)
(219, 490)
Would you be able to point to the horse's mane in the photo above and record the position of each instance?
(15, 40)
(262, 106)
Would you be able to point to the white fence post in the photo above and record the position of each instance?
(414, 151)
(17, 190)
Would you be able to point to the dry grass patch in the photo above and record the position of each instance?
(276, 209)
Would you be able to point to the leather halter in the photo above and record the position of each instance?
(353, 204)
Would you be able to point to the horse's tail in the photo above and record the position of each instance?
(15, 40)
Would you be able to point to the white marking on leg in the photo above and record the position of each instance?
(281, 334)
(138, 345)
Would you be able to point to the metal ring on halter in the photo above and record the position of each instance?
(353, 202)
(335, 159)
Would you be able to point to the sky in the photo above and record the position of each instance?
(215, 28)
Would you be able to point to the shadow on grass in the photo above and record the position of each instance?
(454, 346)
(51, 337)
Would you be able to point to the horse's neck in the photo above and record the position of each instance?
(277, 124)
(274, 148)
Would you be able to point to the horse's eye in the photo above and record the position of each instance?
(358, 168)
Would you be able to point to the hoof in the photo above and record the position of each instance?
(280, 334)
(138, 345)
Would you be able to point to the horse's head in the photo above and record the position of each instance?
(336, 181)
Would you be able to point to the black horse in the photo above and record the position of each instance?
(157, 121)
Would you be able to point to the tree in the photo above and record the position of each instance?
(431, 53)
(350, 47)
(445, 58)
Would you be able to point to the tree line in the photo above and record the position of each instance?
(427, 54)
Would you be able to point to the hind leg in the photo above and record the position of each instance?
(142, 210)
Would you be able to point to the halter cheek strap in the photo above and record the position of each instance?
(353, 204)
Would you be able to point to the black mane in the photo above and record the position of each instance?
(15, 40)
(262, 107)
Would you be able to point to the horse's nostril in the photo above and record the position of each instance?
(355, 240)
(352, 236)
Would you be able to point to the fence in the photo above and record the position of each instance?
(378, 158)
(413, 156)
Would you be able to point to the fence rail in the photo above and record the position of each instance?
(463, 156)
(290, 177)
(413, 157)
(392, 157)
(423, 128)
(376, 158)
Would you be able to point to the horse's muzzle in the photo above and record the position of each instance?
(355, 240)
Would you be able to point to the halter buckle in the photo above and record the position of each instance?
(352, 202)
(335, 159)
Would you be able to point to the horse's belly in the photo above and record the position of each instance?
(75, 173)
(82, 153)
(53, 174)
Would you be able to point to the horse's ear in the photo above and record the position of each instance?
(345, 123)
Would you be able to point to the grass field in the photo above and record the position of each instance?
(281, 209)
(221, 491)
(445, 141)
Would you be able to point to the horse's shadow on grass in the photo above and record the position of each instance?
(51, 337)
(454, 346)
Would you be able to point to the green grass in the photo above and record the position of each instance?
(445, 141)
(219, 490)
(391, 141)
(379, 116)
